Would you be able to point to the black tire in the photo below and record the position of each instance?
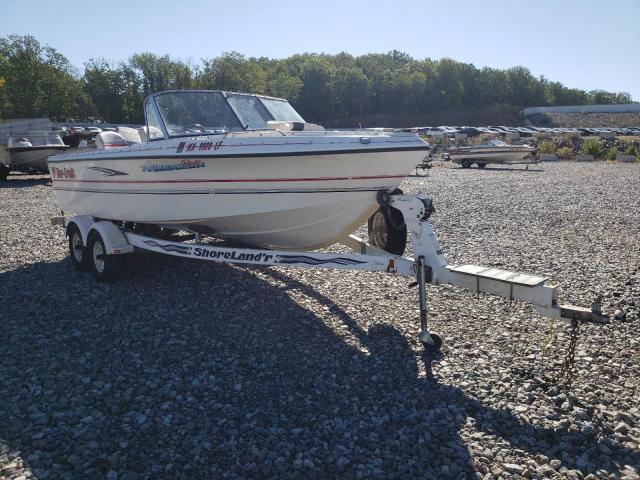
(77, 251)
(4, 172)
(105, 267)
(466, 163)
(435, 346)
(482, 165)
(387, 230)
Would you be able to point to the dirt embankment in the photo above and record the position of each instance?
(585, 120)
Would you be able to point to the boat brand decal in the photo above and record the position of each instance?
(180, 147)
(166, 167)
(63, 172)
(108, 172)
(231, 255)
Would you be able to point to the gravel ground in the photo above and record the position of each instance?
(193, 370)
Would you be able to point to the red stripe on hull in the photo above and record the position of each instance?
(248, 180)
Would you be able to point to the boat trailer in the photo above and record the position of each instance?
(101, 245)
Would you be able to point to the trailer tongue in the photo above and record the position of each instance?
(100, 245)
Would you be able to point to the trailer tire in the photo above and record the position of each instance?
(77, 251)
(4, 172)
(481, 165)
(387, 230)
(105, 267)
(435, 346)
(465, 163)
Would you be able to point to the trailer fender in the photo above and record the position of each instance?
(83, 222)
(114, 240)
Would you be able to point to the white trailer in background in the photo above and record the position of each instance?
(102, 245)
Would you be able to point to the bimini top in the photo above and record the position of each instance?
(176, 113)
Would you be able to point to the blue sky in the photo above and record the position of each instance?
(585, 44)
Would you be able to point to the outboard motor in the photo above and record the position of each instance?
(107, 140)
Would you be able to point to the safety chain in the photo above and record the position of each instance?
(567, 370)
(564, 377)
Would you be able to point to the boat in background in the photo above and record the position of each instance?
(491, 151)
(29, 152)
(235, 165)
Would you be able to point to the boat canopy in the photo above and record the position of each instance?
(176, 113)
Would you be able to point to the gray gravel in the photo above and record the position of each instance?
(193, 370)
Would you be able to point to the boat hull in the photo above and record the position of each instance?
(284, 201)
(490, 157)
(32, 159)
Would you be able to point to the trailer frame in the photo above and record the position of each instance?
(105, 243)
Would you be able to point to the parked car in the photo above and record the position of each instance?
(448, 130)
(433, 131)
(524, 131)
(470, 131)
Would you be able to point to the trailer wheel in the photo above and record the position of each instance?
(466, 163)
(77, 251)
(105, 267)
(4, 172)
(481, 165)
(435, 346)
(387, 230)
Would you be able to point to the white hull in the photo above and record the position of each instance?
(289, 199)
(32, 158)
(490, 157)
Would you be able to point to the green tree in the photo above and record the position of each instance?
(38, 81)
(233, 72)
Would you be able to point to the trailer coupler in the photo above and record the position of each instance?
(582, 314)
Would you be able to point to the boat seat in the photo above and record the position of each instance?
(144, 135)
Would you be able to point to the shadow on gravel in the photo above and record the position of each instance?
(190, 371)
(24, 181)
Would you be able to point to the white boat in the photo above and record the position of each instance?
(236, 165)
(29, 152)
(491, 151)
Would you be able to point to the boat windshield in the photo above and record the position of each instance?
(493, 143)
(36, 139)
(256, 112)
(250, 110)
(193, 113)
(197, 112)
(282, 110)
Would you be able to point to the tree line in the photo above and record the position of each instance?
(38, 81)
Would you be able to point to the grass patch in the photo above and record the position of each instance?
(565, 153)
(630, 150)
(547, 147)
(592, 147)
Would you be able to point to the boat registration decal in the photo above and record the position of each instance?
(201, 147)
(167, 167)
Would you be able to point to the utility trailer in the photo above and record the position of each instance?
(102, 246)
